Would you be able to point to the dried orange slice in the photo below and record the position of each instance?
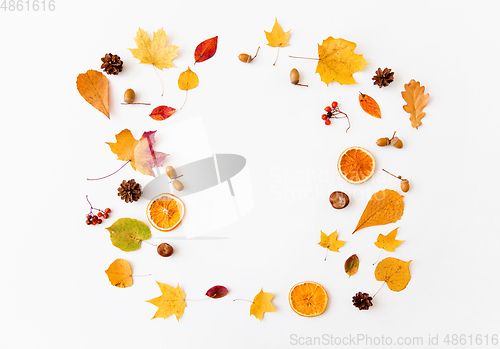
(308, 299)
(356, 165)
(165, 211)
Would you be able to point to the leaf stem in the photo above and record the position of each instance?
(316, 59)
(239, 299)
(96, 179)
(326, 254)
(197, 300)
(379, 289)
(137, 103)
(150, 243)
(379, 254)
(137, 276)
(185, 99)
(162, 87)
(277, 54)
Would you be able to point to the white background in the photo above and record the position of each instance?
(53, 289)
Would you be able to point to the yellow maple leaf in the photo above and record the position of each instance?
(416, 101)
(330, 242)
(337, 61)
(172, 301)
(395, 272)
(388, 242)
(385, 206)
(277, 37)
(120, 273)
(261, 304)
(155, 52)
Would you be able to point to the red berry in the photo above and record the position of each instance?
(327, 122)
(99, 221)
(328, 109)
(334, 105)
(99, 214)
(107, 210)
(105, 216)
(324, 117)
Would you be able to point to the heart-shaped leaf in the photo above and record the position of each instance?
(127, 234)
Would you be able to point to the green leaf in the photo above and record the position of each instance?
(351, 265)
(127, 234)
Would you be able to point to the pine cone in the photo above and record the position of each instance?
(129, 191)
(383, 78)
(363, 301)
(112, 64)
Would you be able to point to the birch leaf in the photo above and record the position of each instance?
(94, 88)
(120, 273)
(395, 272)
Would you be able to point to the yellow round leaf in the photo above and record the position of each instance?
(188, 80)
(120, 273)
(395, 272)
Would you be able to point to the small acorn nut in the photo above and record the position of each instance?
(294, 76)
(382, 142)
(171, 173)
(245, 58)
(405, 185)
(178, 185)
(129, 96)
(397, 143)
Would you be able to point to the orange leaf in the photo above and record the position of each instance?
(369, 105)
(415, 102)
(385, 206)
(94, 88)
(120, 273)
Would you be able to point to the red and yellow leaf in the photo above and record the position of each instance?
(162, 112)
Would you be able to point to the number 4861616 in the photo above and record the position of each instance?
(28, 5)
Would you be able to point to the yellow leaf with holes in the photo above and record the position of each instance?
(330, 241)
(388, 242)
(120, 273)
(261, 304)
(395, 272)
(172, 301)
(337, 61)
(277, 37)
(156, 51)
(385, 206)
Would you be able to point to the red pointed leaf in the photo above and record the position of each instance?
(217, 292)
(162, 112)
(205, 50)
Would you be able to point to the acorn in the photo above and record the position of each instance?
(178, 185)
(405, 185)
(246, 58)
(294, 77)
(382, 142)
(171, 173)
(396, 142)
(129, 96)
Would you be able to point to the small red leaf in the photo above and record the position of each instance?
(217, 292)
(205, 50)
(162, 112)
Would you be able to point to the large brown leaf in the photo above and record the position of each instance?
(94, 88)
